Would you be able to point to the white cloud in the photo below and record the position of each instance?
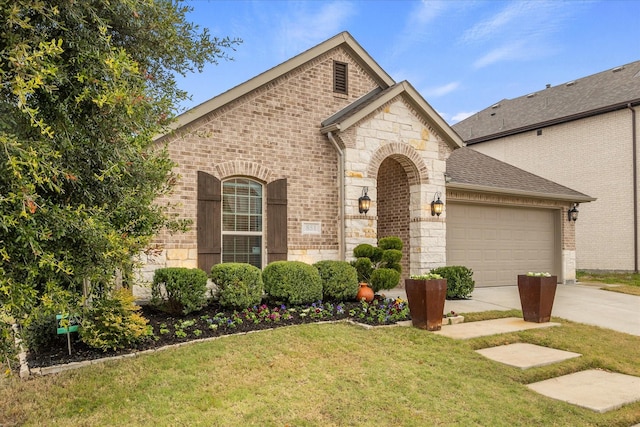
(442, 90)
(305, 25)
(518, 30)
(509, 51)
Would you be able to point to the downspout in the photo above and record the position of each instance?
(341, 195)
(635, 188)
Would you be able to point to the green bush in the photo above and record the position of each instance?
(460, 281)
(8, 350)
(39, 329)
(364, 268)
(112, 322)
(391, 242)
(384, 278)
(370, 259)
(239, 285)
(339, 280)
(178, 290)
(391, 256)
(365, 250)
(292, 282)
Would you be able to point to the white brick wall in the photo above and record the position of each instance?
(593, 156)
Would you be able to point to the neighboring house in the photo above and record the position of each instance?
(273, 169)
(582, 134)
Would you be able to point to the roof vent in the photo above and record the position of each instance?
(571, 83)
(340, 76)
(615, 70)
(494, 106)
(531, 95)
(548, 85)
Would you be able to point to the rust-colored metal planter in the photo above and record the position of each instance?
(536, 297)
(426, 302)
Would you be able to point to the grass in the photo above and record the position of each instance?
(627, 283)
(327, 375)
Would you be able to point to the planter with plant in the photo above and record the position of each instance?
(537, 292)
(379, 266)
(426, 295)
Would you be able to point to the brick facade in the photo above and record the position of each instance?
(395, 145)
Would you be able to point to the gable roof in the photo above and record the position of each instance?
(471, 170)
(359, 109)
(599, 93)
(344, 39)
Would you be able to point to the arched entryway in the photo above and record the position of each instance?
(393, 207)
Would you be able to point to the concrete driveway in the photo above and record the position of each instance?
(578, 303)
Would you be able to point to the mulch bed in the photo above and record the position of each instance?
(165, 327)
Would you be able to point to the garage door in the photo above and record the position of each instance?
(499, 243)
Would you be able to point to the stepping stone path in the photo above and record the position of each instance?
(593, 389)
(525, 356)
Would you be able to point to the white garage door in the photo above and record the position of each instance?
(499, 243)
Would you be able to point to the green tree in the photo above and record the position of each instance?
(84, 88)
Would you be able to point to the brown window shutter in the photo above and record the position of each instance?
(208, 220)
(340, 77)
(277, 220)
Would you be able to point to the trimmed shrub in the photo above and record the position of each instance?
(370, 259)
(384, 278)
(239, 284)
(292, 282)
(391, 256)
(391, 242)
(178, 290)
(112, 323)
(364, 268)
(460, 281)
(339, 280)
(365, 250)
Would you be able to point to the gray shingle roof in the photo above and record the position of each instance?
(606, 91)
(470, 169)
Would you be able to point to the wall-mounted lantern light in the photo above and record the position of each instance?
(436, 205)
(364, 202)
(573, 212)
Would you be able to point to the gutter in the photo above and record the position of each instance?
(525, 193)
(634, 143)
(341, 194)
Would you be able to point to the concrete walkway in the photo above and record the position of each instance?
(578, 303)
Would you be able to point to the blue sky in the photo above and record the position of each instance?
(461, 55)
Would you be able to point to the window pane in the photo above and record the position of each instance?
(242, 199)
(246, 249)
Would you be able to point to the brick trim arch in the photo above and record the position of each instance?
(407, 156)
(245, 168)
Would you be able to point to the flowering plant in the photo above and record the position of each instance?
(428, 276)
(541, 274)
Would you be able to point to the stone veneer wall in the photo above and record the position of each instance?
(396, 131)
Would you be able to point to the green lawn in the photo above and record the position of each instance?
(628, 283)
(327, 375)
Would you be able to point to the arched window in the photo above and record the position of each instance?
(242, 214)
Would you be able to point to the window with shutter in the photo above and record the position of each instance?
(340, 77)
(242, 221)
(208, 221)
(277, 246)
